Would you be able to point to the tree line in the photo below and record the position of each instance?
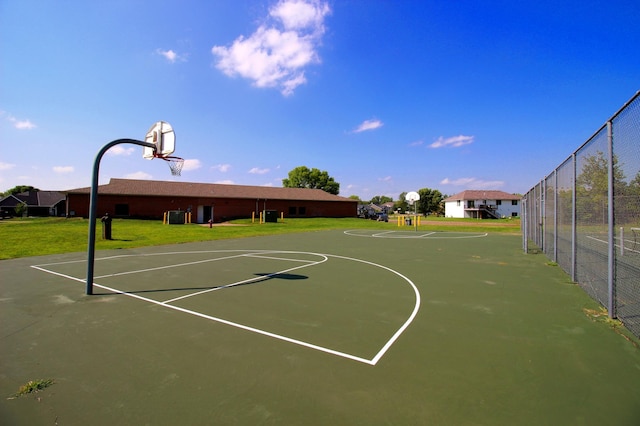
(431, 200)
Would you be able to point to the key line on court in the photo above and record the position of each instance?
(249, 280)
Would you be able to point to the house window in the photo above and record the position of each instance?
(514, 202)
(122, 210)
(471, 204)
(292, 211)
(514, 214)
(498, 202)
(458, 203)
(302, 211)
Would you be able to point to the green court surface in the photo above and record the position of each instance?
(358, 327)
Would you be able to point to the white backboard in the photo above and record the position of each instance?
(161, 134)
(412, 197)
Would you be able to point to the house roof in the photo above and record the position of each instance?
(480, 194)
(214, 190)
(33, 199)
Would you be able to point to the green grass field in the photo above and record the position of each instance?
(42, 236)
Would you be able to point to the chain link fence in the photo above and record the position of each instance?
(585, 215)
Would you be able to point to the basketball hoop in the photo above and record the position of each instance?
(175, 163)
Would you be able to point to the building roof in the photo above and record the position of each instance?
(33, 199)
(214, 190)
(480, 194)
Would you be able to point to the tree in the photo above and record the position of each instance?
(634, 185)
(628, 206)
(20, 209)
(18, 189)
(381, 199)
(402, 204)
(302, 177)
(592, 187)
(430, 201)
(355, 197)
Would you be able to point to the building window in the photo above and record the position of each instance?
(514, 214)
(292, 211)
(122, 210)
(458, 203)
(498, 202)
(302, 211)
(471, 204)
(514, 202)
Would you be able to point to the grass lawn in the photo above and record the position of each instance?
(43, 236)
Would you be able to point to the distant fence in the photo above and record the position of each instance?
(585, 215)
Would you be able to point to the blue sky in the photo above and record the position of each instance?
(386, 96)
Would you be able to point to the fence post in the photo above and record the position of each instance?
(574, 216)
(523, 224)
(610, 225)
(543, 206)
(555, 215)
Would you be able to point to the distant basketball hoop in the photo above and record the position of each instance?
(412, 197)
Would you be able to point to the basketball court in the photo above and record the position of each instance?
(331, 327)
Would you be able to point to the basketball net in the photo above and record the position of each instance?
(175, 164)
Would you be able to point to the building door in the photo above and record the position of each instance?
(205, 213)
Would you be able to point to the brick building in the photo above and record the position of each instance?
(130, 198)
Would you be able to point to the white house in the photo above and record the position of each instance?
(480, 204)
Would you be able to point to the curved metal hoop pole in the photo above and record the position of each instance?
(93, 206)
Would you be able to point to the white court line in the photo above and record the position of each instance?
(614, 244)
(177, 265)
(57, 273)
(409, 320)
(244, 327)
(245, 281)
(280, 258)
(382, 233)
(426, 235)
(412, 235)
(372, 361)
(83, 260)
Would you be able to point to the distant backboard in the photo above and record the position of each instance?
(412, 197)
(161, 134)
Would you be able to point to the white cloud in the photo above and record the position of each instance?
(120, 150)
(139, 175)
(454, 141)
(368, 125)
(19, 124)
(301, 14)
(385, 179)
(6, 166)
(473, 183)
(170, 55)
(416, 143)
(24, 125)
(63, 169)
(267, 184)
(258, 171)
(225, 182)
(223, 168)
(192, 164)
(276, 54)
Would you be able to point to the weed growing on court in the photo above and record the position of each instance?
(33, 386)
(602, 315)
